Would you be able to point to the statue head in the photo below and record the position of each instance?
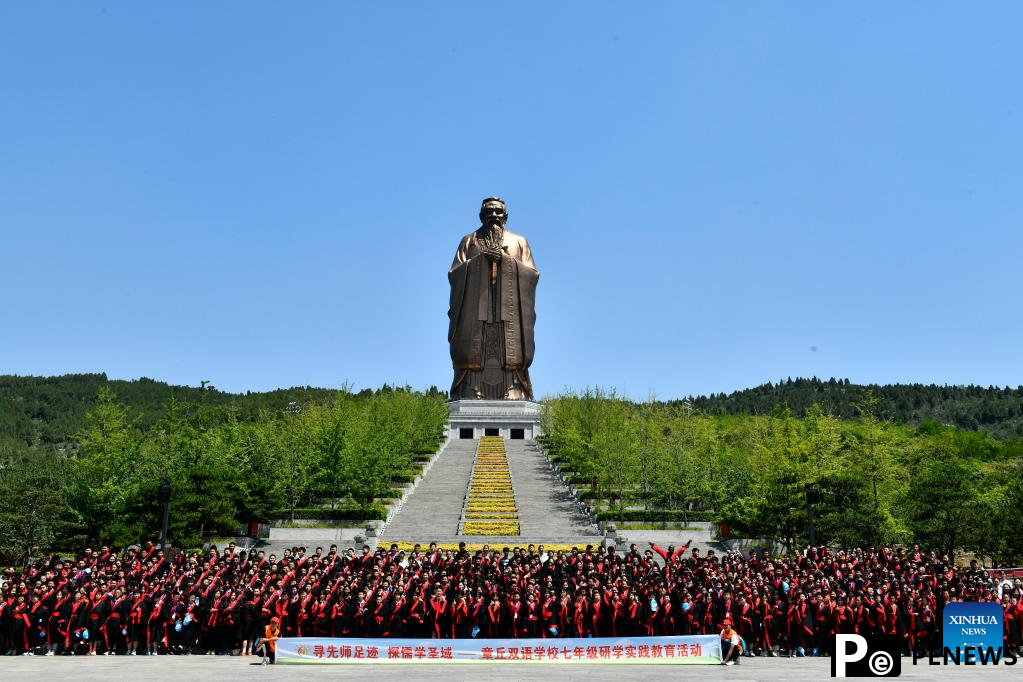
(492, 211)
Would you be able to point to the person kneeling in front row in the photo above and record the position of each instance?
(731, 644)
(269, 641)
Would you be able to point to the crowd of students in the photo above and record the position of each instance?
(143, 602)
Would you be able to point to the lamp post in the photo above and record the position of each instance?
(164, 496)
(813, 496)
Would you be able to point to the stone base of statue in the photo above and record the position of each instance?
(514, 419)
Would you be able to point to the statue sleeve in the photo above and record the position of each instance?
(526, 255)
(518, 295)
(466, 313)
(462, 254)
(528, 278)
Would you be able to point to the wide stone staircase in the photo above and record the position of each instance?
(435, 507)
(547, 511)
(546, 507)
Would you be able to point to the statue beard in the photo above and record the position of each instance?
(494, 230)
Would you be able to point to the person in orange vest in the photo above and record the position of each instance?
(731, 644)
(269, 642)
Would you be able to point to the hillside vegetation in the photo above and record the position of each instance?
(879, 481)
(66, 479)
(993, 410)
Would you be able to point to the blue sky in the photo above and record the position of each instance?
(717, 194)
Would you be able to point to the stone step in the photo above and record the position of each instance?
(547, 511)
(435, 506)
(548, 514)
(546, 506)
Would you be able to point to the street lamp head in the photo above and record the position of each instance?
(164, 493)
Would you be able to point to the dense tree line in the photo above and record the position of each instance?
(53, 409)
(880, 481)
(81, 456)
(993, 410)
(100, 483)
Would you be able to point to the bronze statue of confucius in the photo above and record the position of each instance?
(493, 290)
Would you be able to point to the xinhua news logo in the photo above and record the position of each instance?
(973, 627)
(873, 656)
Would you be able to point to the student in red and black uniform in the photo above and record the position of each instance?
(823, 624)
(461, 623)
(800, 627)
(99, 609)
(633, 625)
(291, 613)
(118, 620)
(493, 618)
(78, 621)
(439, 618)
(38, 616)
(533, 617)
(515, 612)
(320, 619)
(156, 624)
(249, 625)
(57, 627)
(378, 617)
(20, 626)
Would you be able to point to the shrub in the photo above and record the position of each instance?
(370, 513)
(654, 515)
(590, 494)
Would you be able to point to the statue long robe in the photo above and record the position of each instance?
(471, 317)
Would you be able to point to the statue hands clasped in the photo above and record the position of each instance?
(493, 253)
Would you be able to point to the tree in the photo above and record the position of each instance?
(943, 492)
(33, 506)
(617, 444)
(993, 527)
(105, 465)
(287, 453)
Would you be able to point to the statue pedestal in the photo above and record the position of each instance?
(517, 419)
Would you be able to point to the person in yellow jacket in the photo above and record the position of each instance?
(731, 644)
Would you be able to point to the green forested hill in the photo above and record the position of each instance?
(52, 409)
(993, 410)
(81, 457)
(878, 481)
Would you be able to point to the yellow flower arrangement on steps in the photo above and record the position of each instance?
(490, 503)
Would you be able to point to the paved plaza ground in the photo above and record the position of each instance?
(222, 667)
